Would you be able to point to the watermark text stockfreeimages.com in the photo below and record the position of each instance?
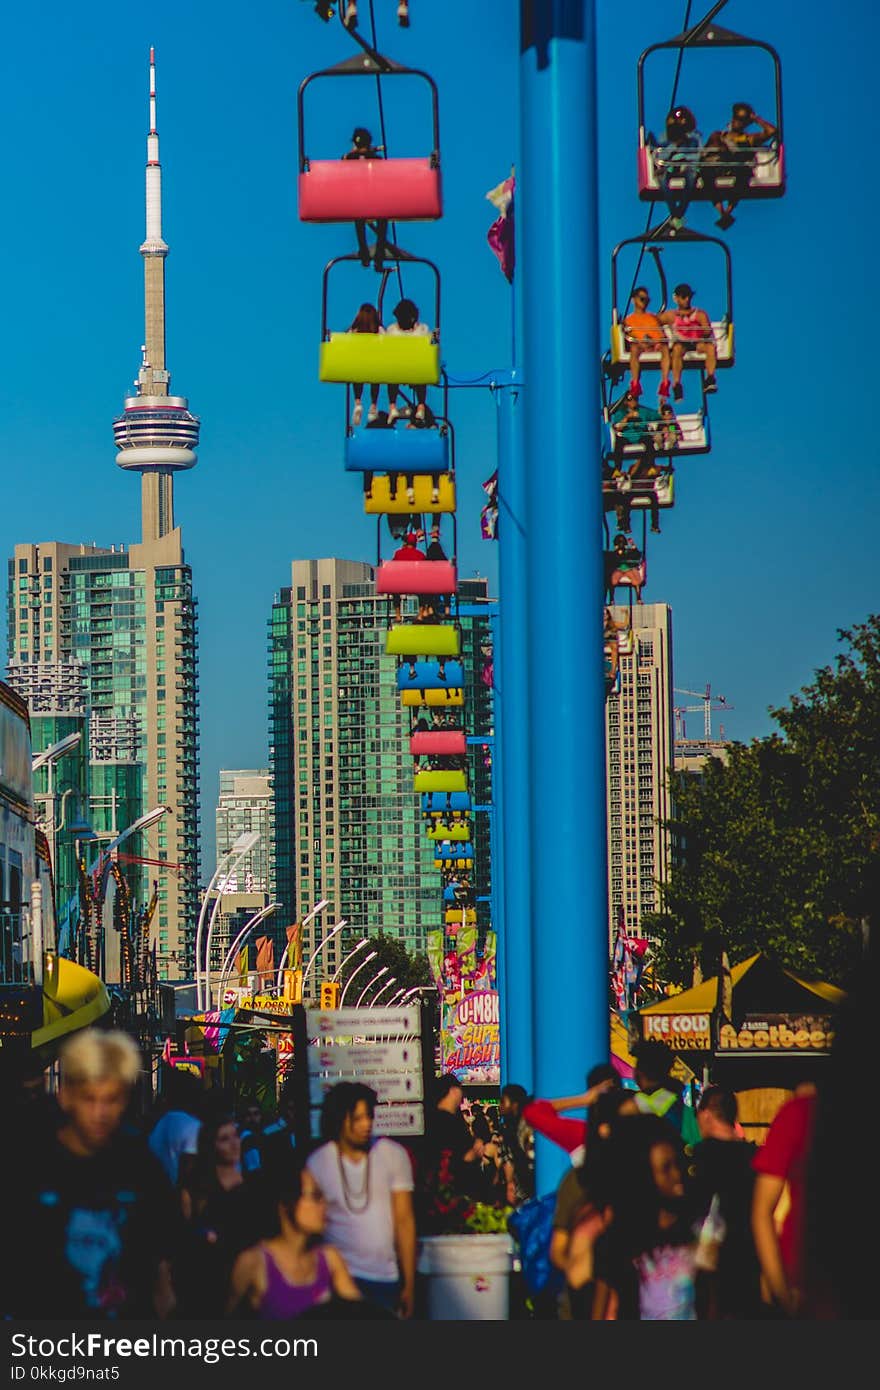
(90, 1345)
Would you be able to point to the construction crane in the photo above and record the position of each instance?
(708, 703)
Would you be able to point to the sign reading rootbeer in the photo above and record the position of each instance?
(778, 1033)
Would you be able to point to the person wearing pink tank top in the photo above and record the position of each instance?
(691, 332)
(293, 1272)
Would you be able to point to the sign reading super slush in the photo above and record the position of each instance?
(470, 1038)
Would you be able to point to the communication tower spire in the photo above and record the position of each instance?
(156, 435)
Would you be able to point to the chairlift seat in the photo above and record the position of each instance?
(427, 677)
(346, 190)
(447, 697)
(468, 914)
(460, 863)
(385, 501)
(396, 449)
(694, 438)
(714, 178)
(722, 333)
(442, 803)
(422, 639)
(640, 491)
(438, 743)
(448, 780)
(449, 832)
(399, 358)
(416, 577)
(453, 851)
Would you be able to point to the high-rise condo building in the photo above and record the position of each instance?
(348, 824)
(108, 637)
(639, 747)
(245, 804)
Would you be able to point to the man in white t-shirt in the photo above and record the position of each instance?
(368, 1185)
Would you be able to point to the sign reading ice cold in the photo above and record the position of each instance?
(470, 1039)
(679, 1030)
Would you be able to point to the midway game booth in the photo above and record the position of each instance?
(764, 1032)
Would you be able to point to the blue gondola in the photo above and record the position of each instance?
(440, 802)
(427, 676)
(396, 449)
(455, 849)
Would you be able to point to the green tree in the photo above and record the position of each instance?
(408, 969)
(779, 850)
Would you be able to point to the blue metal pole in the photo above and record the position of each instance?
(557, 231)
(514, 937)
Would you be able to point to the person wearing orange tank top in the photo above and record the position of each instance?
(643, 332)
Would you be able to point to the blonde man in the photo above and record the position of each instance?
(94, 1215)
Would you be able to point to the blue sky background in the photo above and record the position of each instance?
(751, 557)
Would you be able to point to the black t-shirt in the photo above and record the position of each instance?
(725, 1166)
(86, 1235)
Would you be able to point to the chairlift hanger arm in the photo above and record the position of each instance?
(709, 35)
(667, 235)
(370, 64)
(395, 253)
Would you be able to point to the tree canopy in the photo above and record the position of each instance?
(409, 970)
(779, 850)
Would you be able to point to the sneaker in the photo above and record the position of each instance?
(411, 496)
(351, 15)
(625, 483)
(373, 413)
(406, 411)
(403, 14)
(357, 414)
(420, 412)
(663, 389)
(710, 384)
(435, 495)
(656, 530)
(726, 220)
(678, 391)
(393, 413)
(635, 389)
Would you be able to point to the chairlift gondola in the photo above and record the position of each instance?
(719, 173)
(423, 639)
(347, 190)
(655, 243)
(441, 780)
(386, 358)
(427, 677)
(438, 743)
(448, 697)
(440, 803)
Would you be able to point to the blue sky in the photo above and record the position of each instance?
(747, 557)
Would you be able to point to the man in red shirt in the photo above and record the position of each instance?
(783, 1160)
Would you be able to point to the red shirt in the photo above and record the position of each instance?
(408, 552)
(785, 1154)
(568, 1134)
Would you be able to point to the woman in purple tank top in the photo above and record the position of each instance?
(293, 1272)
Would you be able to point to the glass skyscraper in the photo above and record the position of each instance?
(348, 824)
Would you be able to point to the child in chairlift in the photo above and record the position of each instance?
(366, 320)
(408, 324)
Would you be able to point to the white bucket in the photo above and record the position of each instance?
(468, 1276)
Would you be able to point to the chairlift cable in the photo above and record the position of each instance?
(650, 217)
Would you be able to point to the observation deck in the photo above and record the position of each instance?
(156, 434)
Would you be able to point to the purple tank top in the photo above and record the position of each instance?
(284, 1300)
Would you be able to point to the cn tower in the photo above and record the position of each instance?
(156, 435)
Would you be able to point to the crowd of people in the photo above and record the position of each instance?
(666, 1211)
